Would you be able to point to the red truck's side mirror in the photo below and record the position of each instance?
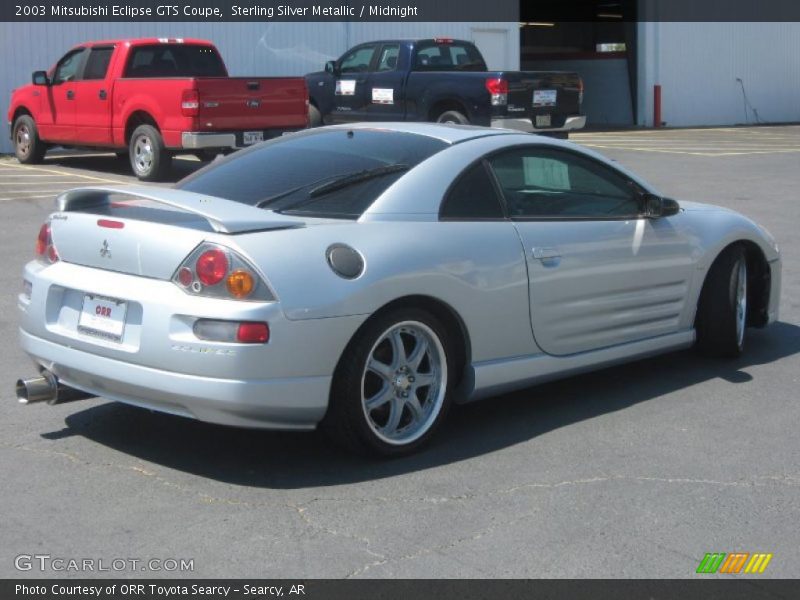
(40, 78)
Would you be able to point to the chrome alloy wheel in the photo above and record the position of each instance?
(143, 154)
(741, 301)
(404, 382)
(22, 140)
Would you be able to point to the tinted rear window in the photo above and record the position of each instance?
(448, 56)
(174, 60)
(334, 173)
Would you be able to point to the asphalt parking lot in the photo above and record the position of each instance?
(634, 471)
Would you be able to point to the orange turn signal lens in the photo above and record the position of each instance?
(240, 283)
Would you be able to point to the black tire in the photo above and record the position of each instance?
(721, 319)
(559, 135)
(150, 160)
(207, 155)
(28, 147)
(453, 116)
(350, 424)
(314, 116)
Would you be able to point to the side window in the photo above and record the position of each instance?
(539, 182)
(67, 68)
(388, 60)
(97, 64)
(358, 61)
(472, 197)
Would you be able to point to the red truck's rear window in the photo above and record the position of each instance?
(174, 60)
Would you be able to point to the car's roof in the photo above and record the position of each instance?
(446, 132)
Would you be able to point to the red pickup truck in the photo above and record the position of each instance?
(151, 99)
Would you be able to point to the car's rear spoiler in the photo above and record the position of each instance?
(224, 216)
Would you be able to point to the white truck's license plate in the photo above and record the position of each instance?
(542, 120)
(253, 137)
(544, 97)
(103, 317)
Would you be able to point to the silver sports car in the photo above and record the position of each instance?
(363, 278)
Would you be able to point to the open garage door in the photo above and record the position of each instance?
(601, 48)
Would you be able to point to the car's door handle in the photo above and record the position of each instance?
(70, 95)
(546, 253)
(102, 95)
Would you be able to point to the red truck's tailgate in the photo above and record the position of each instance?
(237, 103)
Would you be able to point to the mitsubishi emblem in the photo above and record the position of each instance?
(105, 251)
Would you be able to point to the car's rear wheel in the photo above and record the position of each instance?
(722, 310)
(453, 116)
(28, 148)
(150, 160)
(391, 389)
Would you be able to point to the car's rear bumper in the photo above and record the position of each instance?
(275, 403)
(526, 125)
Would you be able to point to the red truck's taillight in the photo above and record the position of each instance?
(498, 88)
(190, 103)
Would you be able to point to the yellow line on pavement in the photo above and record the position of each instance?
(27, 197)
(62, 173)
(2, 183)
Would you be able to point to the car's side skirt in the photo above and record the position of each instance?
(499, 376)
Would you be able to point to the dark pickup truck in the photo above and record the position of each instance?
(441, 80)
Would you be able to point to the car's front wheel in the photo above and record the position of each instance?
(722, 310)
(391, 389)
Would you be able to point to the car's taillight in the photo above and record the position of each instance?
(211, 266)
(45, 249)
(580, 90)
(219, 272)
(190, 103)
(498, 88)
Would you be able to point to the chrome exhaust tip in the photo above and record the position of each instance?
(37, 389)
(47, 388)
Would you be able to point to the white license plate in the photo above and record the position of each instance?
(103, 317)
(544, 97)
(253, 137)
(542, 120)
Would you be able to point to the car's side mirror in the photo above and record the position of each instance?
(655, 207)
(330, 67)
(40, 78)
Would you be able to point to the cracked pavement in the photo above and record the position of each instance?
(634, 471)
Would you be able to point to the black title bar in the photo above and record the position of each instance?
(531, 11)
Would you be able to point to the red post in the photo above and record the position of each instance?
(656, 105)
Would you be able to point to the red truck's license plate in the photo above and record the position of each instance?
(252, 137)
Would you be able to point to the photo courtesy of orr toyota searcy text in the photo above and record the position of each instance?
(160, 591)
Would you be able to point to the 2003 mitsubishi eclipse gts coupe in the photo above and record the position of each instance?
(363, 278)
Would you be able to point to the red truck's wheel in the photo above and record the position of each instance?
(28, 147)
(314, 116)
(150, 160)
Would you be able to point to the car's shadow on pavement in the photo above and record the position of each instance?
(108, 165)
(297, 460)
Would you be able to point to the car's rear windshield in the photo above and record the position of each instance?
(328, 173)
(175, 60)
